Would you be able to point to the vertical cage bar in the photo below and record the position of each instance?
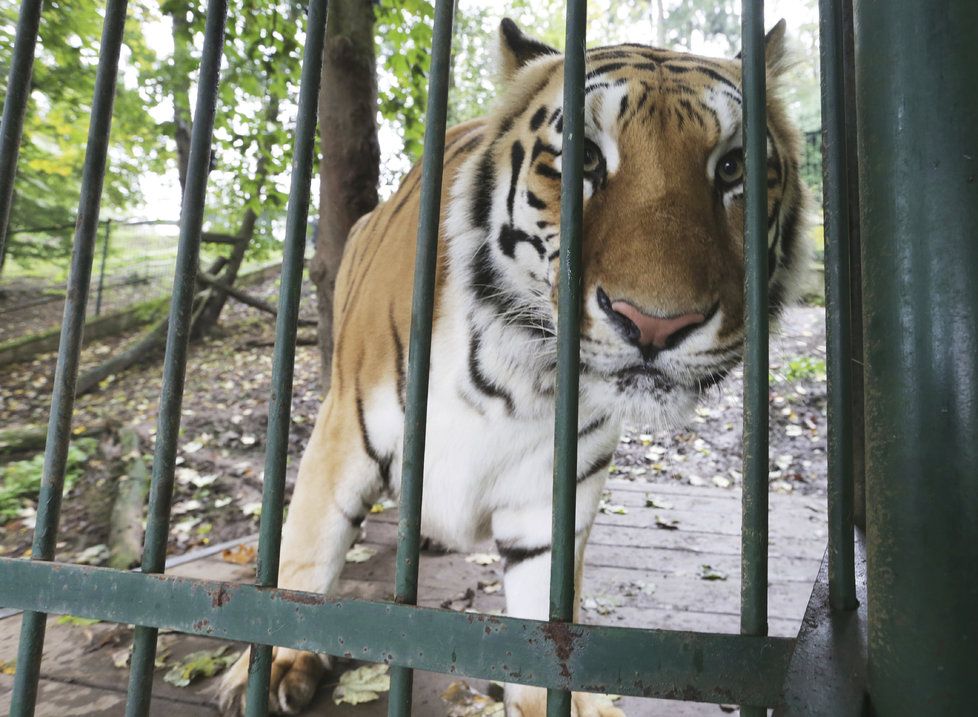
(15, 107)
(858, 425)
(283, 361)
(838, 327)
(177, 341)
(419, 353)
(72, 328)
(918, 197)
(754, 530)
(568, 335)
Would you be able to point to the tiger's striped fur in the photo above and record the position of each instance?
(662, 239)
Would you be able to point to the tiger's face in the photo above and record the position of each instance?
(663, 241)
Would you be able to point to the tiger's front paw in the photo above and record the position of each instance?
(294, 679)
(524, 701)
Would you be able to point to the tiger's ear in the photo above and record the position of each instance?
(775, 48)
(517, 49)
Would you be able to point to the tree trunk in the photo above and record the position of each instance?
(660, 24)
(350, 153)
(180, 80)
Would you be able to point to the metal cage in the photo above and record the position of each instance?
(902, 322)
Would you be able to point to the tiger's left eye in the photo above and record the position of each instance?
(730, 169)
(593, 159)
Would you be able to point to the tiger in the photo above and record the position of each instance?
(662, 317)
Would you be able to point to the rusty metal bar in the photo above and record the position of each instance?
(649, 663)
(286, 323)
(69, 350)
(15, 106)
(177, 341)
(419, 353)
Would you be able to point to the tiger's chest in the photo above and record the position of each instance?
(489, 438)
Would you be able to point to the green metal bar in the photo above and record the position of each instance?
(177, 341)
(648, 663)
(419, 353)
(72, 328)
(754, 529)
(15, 106)
(568, 337)
(838, 328)
(283, 361)
(918, 195)
(857, 402)
(101, 271)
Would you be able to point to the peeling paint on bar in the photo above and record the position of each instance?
(705, 667)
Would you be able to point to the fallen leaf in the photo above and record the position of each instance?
(601, 604)
(612, 508)
(239, 555)
(708, 573)
(464, 701)
(364, 684)
(482, 558)
(93, 555)
(77, 621)
(204, 663)
(381, 506)
(360, 553)
(493, 586)
(652, 502)
(666, 523)
(8, 668)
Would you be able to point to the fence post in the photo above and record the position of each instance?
(918, 180)
(101, 270)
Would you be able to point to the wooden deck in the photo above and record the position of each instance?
(638, 574)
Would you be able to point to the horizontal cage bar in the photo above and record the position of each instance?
(703, 667)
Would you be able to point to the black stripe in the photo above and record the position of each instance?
(516, 155)
(481, 382)
(398, 361)
(513, 555)
(538, 117)
(534, 201)
(624, 107)
(591, 427)
(539, 147)
(485, 178)
(545, 170)
(595, 466)
(383, 462)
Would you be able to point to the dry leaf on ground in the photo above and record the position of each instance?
(364, 684)
(464, 701)
(239, 555)
(482, 558)
(360, 554)
(203, 663)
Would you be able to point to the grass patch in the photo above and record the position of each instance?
(20, 481)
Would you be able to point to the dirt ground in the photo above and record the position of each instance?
(221, 456)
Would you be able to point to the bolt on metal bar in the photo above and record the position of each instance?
(419, 353)
(562, 571)
(15, 106)
(283, 361)
(177, 341)
(838, 325)
(66, 372)
(754, 530)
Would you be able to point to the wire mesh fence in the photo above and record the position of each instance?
(134, 264)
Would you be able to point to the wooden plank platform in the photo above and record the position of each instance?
(638, 574)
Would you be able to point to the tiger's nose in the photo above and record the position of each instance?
(646, 330)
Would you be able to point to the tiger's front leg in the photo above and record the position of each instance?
(338, 482)
(523, 537)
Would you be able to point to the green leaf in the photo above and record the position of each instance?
(204, 663)
(364, 684)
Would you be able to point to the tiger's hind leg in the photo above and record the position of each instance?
(339, 479)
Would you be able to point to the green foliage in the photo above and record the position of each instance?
(20, 481)
(805, 367)
(56, 126)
